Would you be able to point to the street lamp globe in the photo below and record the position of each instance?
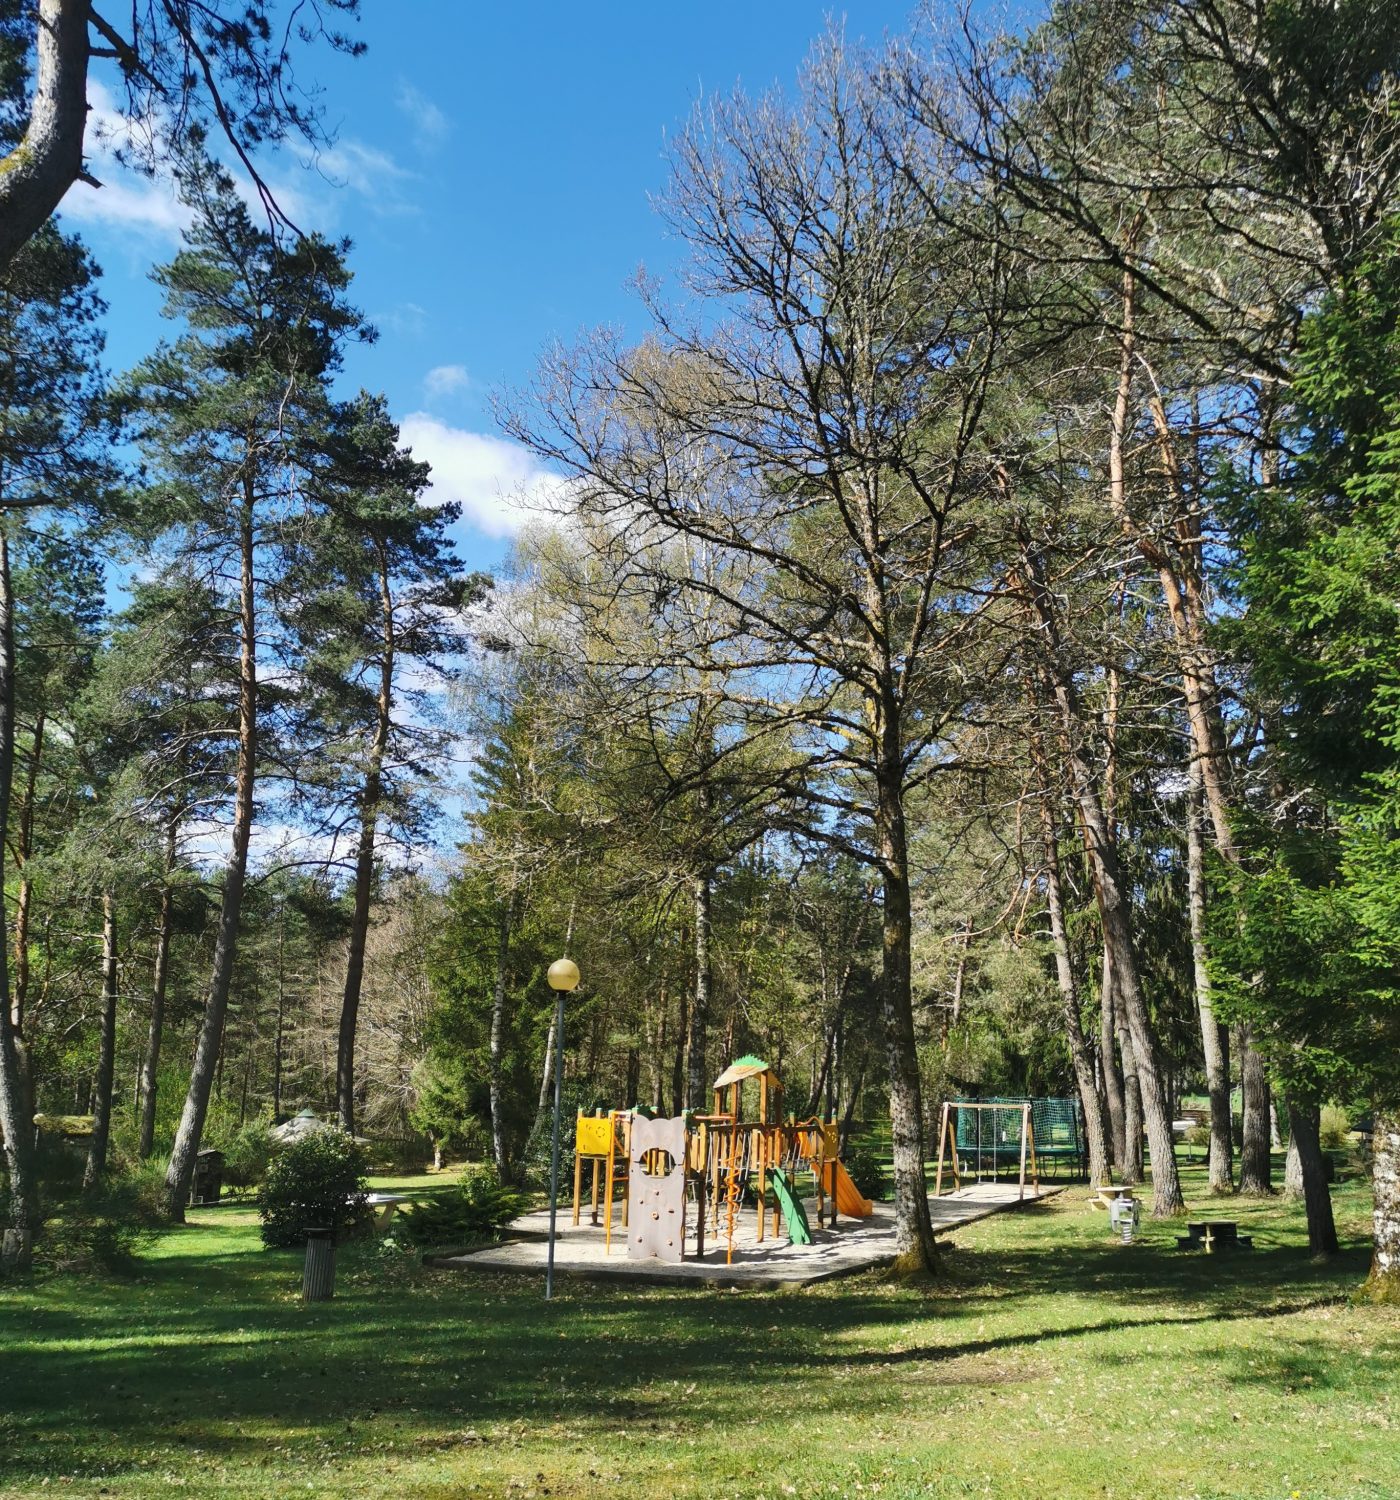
(563, 974)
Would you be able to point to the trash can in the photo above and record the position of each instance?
(208, 1184)
(318, 1275)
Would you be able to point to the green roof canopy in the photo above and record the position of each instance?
(748, 1066)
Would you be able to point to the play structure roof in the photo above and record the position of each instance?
(742, 1068)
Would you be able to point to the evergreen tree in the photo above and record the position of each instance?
(231, 417)
(378, 597)
(1318, 960)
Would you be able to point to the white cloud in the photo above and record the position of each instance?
(430, 125)
(151, 205)
(445, 380)
(366, 170)
(209, 843)
(405, 318)
(147, 204)
(499, 485)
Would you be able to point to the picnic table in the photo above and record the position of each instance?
(1211, 1235)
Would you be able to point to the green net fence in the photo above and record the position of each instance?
(989, 1139)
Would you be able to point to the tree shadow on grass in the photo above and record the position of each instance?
(214, 1350)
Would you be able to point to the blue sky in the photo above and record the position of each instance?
(493, 166)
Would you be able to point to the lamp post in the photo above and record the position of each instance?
(563, 978)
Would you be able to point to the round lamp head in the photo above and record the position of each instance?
(563, 974)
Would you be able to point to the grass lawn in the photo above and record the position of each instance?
(1050, 1362)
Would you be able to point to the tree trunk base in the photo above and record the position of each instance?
(1382, 1288)
(913, 1264)
(16, 1250)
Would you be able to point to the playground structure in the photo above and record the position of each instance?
(979, 1137)
(695, 1175)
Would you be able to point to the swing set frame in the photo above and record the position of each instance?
(948, 1144)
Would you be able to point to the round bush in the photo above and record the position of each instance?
(315, 1182)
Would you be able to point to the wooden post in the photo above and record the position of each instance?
(703, 1135)
(578, 1183)
(942, 1142)
(318, 1274)
(611, 1187)
(761, 1146)
(1025, 1132)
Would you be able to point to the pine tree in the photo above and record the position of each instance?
(231, 416)
(380, 596)
(1316, 960)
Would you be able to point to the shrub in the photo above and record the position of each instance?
(1334, 1127)
(865, 1167)
(399, 1153)
(476, 1208)
(534, 1158)
(247, 1153)
(315, 1181)
(102, 1229)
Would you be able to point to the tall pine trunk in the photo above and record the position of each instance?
(1213, 1035)
(355, 957)
(1114, 909)
(1293, 1162)
(150, 1061)
(1064, 973)
(678, 1055)
(370, 795)
(22, 847)
(1317, 1197)
(16, 1116)
(96, 1168)
(914, 1249)
(1112, 1073)
(695, 1080)
(1385, 1181)
(180, 1173)
(1256, 1161)
(1133, 1169)
(497, 1045)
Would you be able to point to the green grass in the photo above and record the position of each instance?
(1050, 1362)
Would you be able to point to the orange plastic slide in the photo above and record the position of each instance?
(848, 1199)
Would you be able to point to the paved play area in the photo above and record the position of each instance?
(854, 1245)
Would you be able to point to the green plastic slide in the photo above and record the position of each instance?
(799, 1231)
